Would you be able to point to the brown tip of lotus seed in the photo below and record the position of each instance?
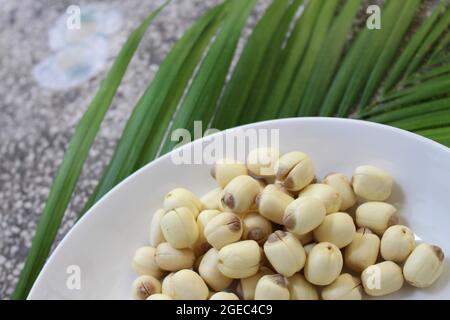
(289, 183)
(439, 253)
(281, 173)
(289, 221)
(314, 180)
(280, 234)
(278, 279)
(234, 224)
(213, 172)
(272, 238)
(329, 247)
(256, 234)
(146, 289)
(393, 220)
(276, 236)
(228, 200)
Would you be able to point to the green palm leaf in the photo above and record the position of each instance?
(424, 121)
(414, 44)
(441, 135)
(369, 56)
(444, 44)
(329, 57)
(434, 35)
(389, 50)
(433, 88)
(411, 110)
(267, 73)
(428, 74)
(291, 58)
(303, 58)
(145, 129)
(201, 99)
(234, 103)
(335, 93)
(295, 95)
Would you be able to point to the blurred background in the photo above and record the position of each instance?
(42, 100)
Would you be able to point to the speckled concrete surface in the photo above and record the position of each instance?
(36, 123)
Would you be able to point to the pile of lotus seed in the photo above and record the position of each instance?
(272, 231)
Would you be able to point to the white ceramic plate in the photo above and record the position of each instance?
(103, 242)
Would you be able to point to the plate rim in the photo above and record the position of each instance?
(410, 135)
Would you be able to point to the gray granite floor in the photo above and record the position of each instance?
(37, 123)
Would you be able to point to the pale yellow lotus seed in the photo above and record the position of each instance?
(224, 296)
(382, 278)
(343, 186)
(324, 264)
(181, 197)
(159, 296)
(144, 286)
(144, 262)
(362, 252)
(261, 162)
(300, 289)
(345, 287)
(226, 170)
(172, 259)
(397, 243)
(240, 194)
(240, 259)
(156, 235)
(337, 228)
(211, 199)
(424, 265)
(272, 203)
(304, 215)
(209, 271)
(198, 260)
(326, 194)
(202, 245)
(377, 216)
(246, 286)
(166, 285)
(188, 285)
(256, 227)
(372, 183)
(223, 229)
(272, 287)
(285, 253)
(179, 228)
(295, 170)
